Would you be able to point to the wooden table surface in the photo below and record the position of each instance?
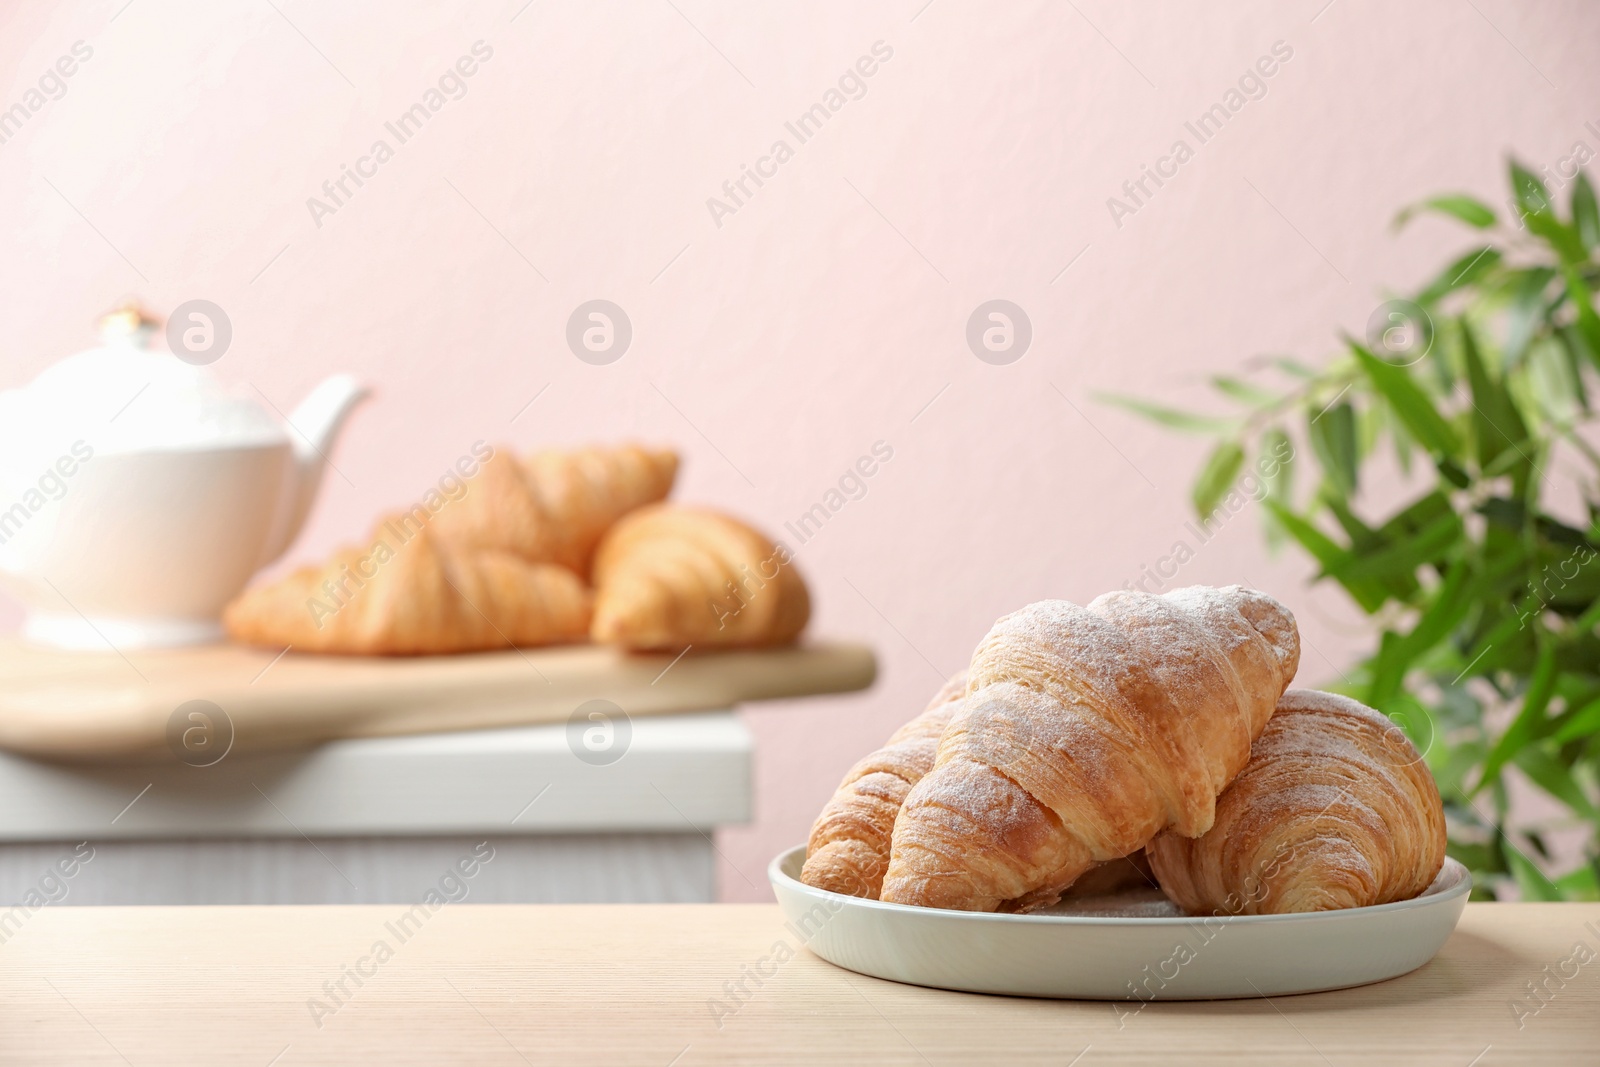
(597, 984)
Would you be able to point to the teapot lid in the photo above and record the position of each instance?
(131, 395)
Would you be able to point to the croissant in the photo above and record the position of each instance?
(409, 593)
(554, 506)
(1334, 810)
(667, 577)
(848, 851)
(499, 509)
(1084, 732)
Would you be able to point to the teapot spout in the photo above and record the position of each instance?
(313, 428)
(320, 416)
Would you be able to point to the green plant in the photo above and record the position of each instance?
(1484, 599)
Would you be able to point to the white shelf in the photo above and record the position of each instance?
(681, 773)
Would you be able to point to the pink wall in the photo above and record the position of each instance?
(829, 309)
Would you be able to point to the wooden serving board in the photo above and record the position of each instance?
(107, 706)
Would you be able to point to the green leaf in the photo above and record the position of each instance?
(1506, 646)
(1588, 619)
(1383, 581)
(1453, 473)
(1410, 403)
(1402, 558)
(1585, 213)
(1414, 718)
(1171, 417)
(1467, 209)
(1464, 271)
(1497, 424)
(1583, 306)
(1333, 439)
(1403, 445)
(1293, 367)
(1449, 609)
(1417, 514)
(1529, 191)
(1556, 779)
(1539, 215)
(1363, 538)
(1327, 552)
(1580, 884)
(1320, 545)
(1221, 470)
(1533, 883)
(1525, 727)
(1580, 722)
(1572, 354)
(1276, 459)
(1526, 311)
(1244, 392)
(1477, 856)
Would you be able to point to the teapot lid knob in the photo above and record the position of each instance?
(129, 323)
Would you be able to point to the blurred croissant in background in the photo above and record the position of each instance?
(408, 592)
(554, 507)
(668, 576)
(507, 561)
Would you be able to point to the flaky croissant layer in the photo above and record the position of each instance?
(848, 851)
(1336, 809)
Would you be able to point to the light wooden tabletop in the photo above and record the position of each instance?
(658, 985)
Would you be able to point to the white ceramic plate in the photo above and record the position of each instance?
(1111, 949)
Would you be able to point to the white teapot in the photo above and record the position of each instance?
(138, 496)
